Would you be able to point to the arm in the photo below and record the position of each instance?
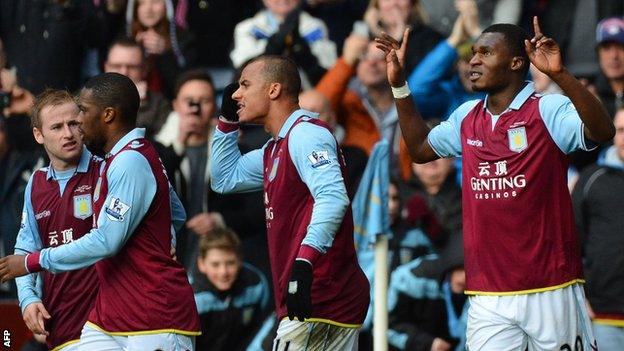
(28, 240)
(134, 193)
(178, 215)
(545, 55)
(413, 127)
(325, 183)
(230, 171)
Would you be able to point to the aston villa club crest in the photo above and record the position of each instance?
(517, 139)
(274, 169)
(82, 206)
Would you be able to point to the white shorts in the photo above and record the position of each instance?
(314, 336)
(549, 320)
(94, 339)
(70, 347)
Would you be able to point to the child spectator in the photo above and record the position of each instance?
(231, 296)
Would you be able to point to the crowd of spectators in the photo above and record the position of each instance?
(181, 54)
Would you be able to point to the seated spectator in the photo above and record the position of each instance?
(393, 17)
(169, 49)
(231, 296)
(362, 99)
(284, 29)
(427, 306)
(435, 92)
(125, 56)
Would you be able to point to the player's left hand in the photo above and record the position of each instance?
(12, 266)
(543, 52)
(298, 297)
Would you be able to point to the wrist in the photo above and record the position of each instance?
(308, 254)
(31, 262)
(227, 126)
(401, 92)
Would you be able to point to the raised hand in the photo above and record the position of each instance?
(543, 52)
(395, 57)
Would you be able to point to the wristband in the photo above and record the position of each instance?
(401, 92)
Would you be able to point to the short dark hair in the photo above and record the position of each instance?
(193, 74)
(117, 91)
(125, 42)
(50, 97)
(514, 37)
(283, 70)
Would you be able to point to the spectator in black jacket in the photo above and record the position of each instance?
(597, 201)
(231, 296)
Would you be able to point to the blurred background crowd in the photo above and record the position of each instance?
(181, 54)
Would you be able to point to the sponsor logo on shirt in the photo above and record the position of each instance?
(319, 158)
(116, 210)
(494, 182)
(477, 143)
(43, 214)
(82, 188)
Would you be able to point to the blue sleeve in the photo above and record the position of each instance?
(128, 200)
(178, 214)
(28, 240)
(425, 80)
(230, 171)
(445, 137)
(324, 179)
(564, 124)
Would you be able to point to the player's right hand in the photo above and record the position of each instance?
(229, 106)
(395, 56)
(34, 316)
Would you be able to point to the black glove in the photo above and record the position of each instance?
(229, 106)
(298, 299)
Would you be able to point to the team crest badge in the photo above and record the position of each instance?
(517, 139)
(274, 169)
(82, 206)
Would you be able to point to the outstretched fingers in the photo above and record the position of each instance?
(537, 30)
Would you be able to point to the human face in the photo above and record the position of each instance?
(618, 139)
(196, 101)
(151, 12)
(281, 8)
(253, 96)
(490, 65)
(221, 267)
(60, 134)
(94, 135)
(125, 60)
(371, 70)
(433, 174)
(611, 59)
(394, 203)
(394, 12)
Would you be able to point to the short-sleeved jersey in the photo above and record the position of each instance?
(519, 232)
(340, 291)
(144, 289)
(68, 296)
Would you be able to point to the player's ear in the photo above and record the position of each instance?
(109, 114)
(517, 63)
(38, 135)
(275, 90)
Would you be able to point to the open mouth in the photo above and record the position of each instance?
(241, 106)
(474, 76)
(70, 145)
